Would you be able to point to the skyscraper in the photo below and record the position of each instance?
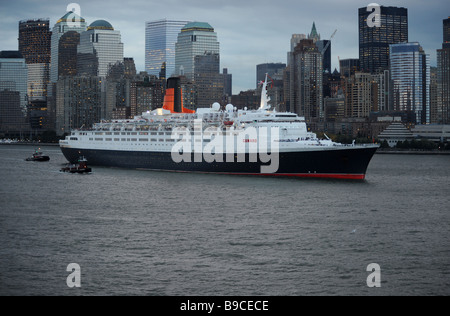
(79, 102)
(12, 122)
(34, 41)
(100, 48)
(361, 95)
(288, 81)
(195, 39)
(160, 39)
(314, 36)
(374, 41)
(34, 45)
(14, 76)
(321, 45)
(208, 81)
(443, 77)
(447, 31)
(306, 77)
(67, 54)
(410, 74)
(63, 62)
(348, 67)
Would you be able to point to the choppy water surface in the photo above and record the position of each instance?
(153, 233)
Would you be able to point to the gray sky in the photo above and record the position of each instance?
(250, 31)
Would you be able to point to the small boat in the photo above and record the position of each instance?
(80, 167)
(38, 156)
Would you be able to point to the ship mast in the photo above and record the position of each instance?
(265, 99)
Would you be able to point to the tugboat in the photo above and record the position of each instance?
(38, 156)
(80, 167)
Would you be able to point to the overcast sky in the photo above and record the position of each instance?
(250, 31)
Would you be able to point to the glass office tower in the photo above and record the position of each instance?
(34, 45)
(160, 39)
(374, 41)
(70, 22)
(100, 48)
(410, 74)
(195, 39)
(14, 75)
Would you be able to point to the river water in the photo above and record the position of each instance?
(155, 233)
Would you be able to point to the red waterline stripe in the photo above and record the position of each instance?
(292, 175)
(306, 175)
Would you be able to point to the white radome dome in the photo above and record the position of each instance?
(216, 107)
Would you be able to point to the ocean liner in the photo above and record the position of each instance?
(221, 141)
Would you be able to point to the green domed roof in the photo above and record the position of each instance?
(197, 26)
(100, 25)
(71, 17)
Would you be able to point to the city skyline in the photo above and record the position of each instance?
(258, 32)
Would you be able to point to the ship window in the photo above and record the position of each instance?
(153, 133)
(143, 139)
(123, 133)
(153, 140)
(73, 138)
(124, 139)
(134, 139)
(99, 139)
(91, 139)
(108, 139)
(109, 133)
(161, 140)
(117, 139)
(134, 133)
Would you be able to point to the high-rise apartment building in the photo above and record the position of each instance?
(195, 39)
(64, 42)
(374, 41)
(100, 48)
(410, 75)
(160, 39)
(361, 95)
(306, 81)
(79, 102)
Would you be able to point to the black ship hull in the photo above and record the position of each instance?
(348, 163)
